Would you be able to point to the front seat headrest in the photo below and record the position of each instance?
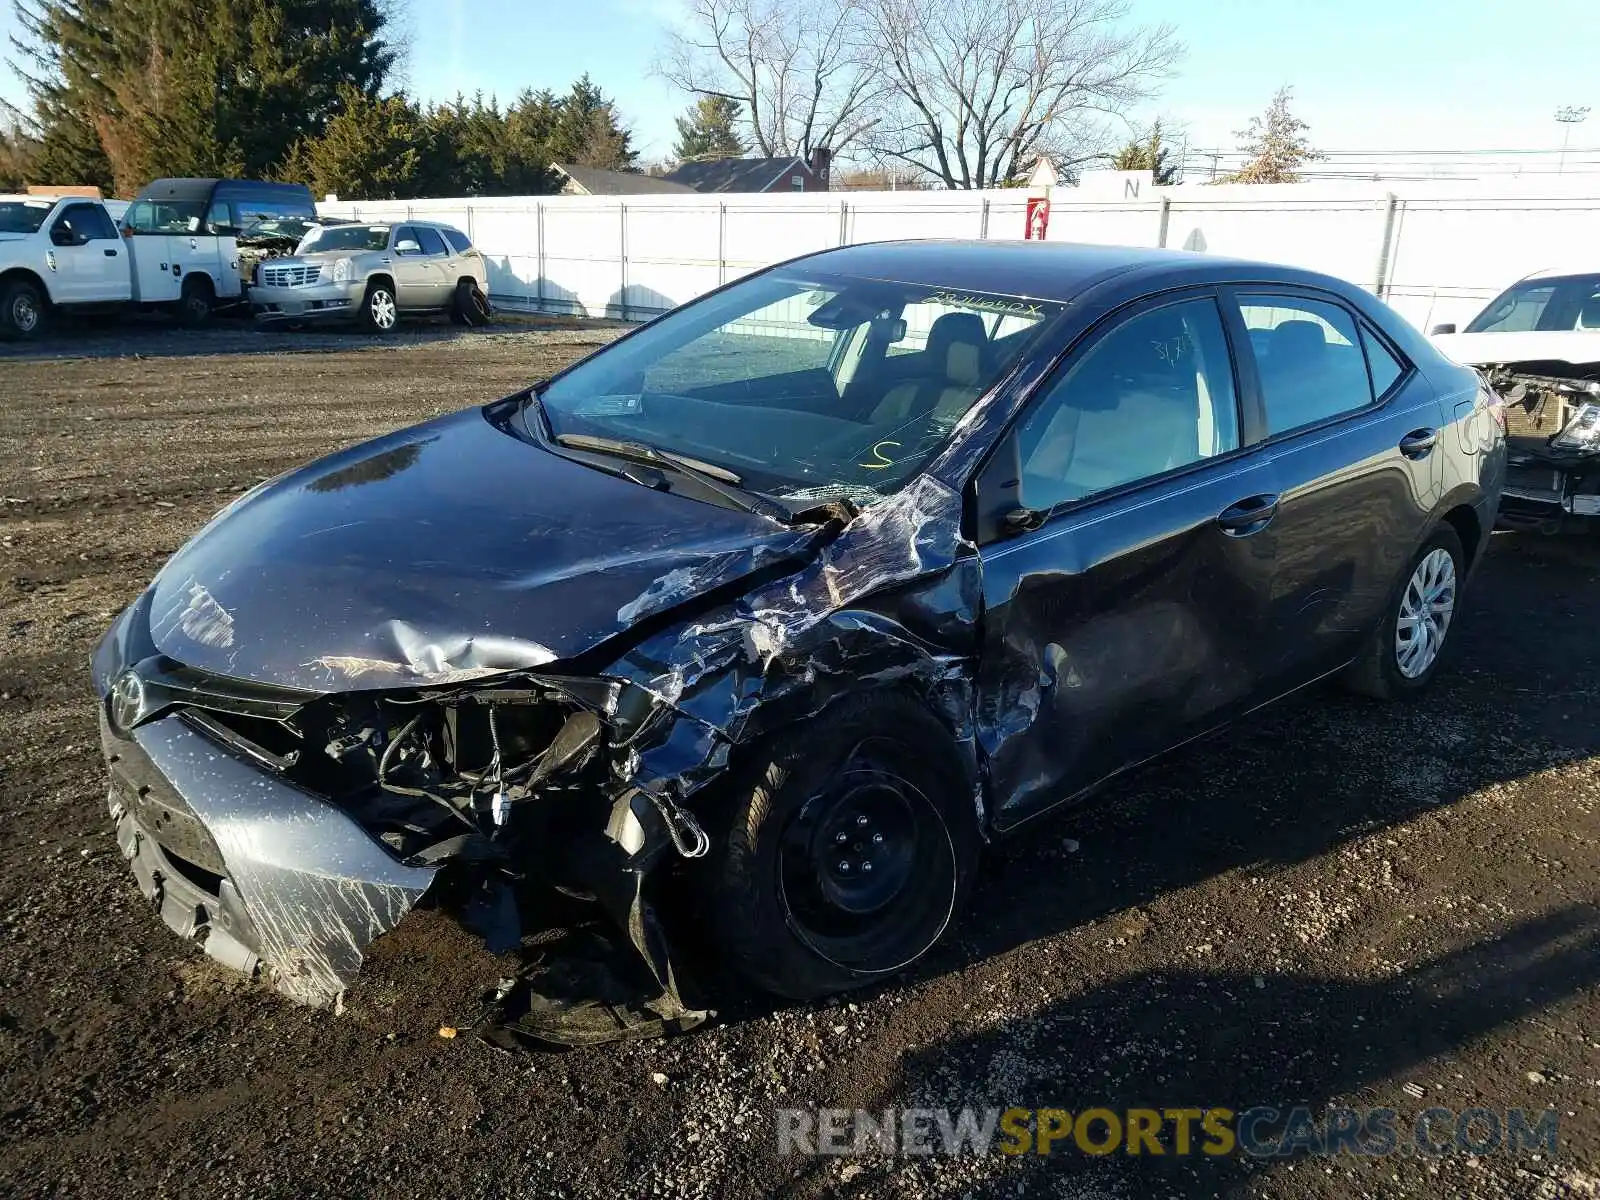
(956, 342)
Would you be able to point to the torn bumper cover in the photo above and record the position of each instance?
(261, 873)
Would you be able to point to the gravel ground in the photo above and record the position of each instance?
(1344, 903)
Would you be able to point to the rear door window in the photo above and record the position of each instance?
(1309, 356)
(428, 238)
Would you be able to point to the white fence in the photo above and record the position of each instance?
(1435, 251)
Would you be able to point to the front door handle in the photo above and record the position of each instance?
(1250, 515)
(1419, 443)
(111, 253)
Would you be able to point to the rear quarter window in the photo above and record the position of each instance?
(458, 240)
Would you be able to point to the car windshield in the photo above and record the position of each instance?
(277, 227)
(23, 216)
(807, 387)
(1564, 304)
(345, 237)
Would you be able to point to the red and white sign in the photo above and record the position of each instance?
(1038, 217)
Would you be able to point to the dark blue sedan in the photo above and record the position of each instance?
(749, 630)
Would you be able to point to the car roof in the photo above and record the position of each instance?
(1565, 272)
(1058, 271)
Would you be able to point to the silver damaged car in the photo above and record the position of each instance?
(374, 274)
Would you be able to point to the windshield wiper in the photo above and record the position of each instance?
(708, 475)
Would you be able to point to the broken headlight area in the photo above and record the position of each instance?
(1544, 400)
(520, 808)
(1552, 420)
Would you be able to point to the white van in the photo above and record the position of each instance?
(183, 235)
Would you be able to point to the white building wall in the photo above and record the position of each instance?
(1436, 251)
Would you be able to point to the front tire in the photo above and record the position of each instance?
(24, 311)
(1404, 654)
(195, 302)
(846, 853)
(379, 311)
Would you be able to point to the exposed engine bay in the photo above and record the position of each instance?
(1552, 411)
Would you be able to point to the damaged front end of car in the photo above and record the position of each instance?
(1552, 413)
(286, 828)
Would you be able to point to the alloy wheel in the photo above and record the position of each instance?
(1426, 608)
(383, 309)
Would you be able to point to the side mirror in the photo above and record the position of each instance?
(1446, 327)
(407, 246)
(61, 236)
(1023, 520)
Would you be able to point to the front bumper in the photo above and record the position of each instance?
(318, 302)
(1547, 492)
(266, 876)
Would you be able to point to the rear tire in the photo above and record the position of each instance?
(379, 311)
(195, 301)
(24, 311)
(469, 306)
(847, 851)
(1404, 654)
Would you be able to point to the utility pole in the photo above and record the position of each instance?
(1569, 116)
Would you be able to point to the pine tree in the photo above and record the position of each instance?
(1276, 144)
(1148, 153)
(173, 87)
(709, 129)
(371, 149)
(587, 132)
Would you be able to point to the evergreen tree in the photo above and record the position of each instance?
(1148, 153)
(1276, 144)
(587, 132)
(174, 87)
(709, 130)
(371, 149)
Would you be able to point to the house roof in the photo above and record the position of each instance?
(736, 174)
(617, 183)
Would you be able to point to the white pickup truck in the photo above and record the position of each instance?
(69, 252)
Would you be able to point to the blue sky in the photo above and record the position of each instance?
(1368, 74)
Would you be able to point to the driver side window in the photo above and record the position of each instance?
(1152, 395)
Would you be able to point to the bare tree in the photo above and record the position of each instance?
(977, 90)
(800, 68)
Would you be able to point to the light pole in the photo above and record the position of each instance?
(1569, 116)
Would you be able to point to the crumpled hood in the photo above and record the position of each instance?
(1488, 349)
(443, 552)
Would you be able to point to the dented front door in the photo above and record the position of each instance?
(1125, 600)
(1115, 633)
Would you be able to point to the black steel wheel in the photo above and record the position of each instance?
(849, 852)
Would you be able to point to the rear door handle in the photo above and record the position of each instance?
(1419, 443)
(1250, 515)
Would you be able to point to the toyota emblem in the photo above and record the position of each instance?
(126, 701)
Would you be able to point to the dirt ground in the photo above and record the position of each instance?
(1344, 903)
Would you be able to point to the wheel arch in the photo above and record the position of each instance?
(27, 275)
(781, 717)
